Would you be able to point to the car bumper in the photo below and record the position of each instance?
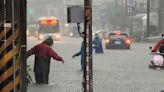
(55, 37)
(118, 46)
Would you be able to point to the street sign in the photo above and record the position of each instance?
(131, 7)
(75, 14)
(7, 24)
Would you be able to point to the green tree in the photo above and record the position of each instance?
(30, 11)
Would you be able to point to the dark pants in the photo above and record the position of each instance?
(41, 77)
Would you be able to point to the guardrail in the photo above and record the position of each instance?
(152, 39)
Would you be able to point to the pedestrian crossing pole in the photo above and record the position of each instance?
(87, 75)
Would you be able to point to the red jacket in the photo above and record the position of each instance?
(43, 54)
(157, 46)
(43, 50)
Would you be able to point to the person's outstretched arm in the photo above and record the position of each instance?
(31, 51)
(55, 55)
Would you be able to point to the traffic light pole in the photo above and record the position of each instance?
(88, 76)
(148, 18)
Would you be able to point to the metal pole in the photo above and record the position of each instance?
(13, 44)
(161, 15)
(23, 26)
(122, 15)
(148, 18)
(88, 76)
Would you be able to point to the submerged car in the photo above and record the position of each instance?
(117, 40)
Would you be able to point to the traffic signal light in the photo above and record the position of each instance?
(30, 11)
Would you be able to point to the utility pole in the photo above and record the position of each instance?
(23, 42)
(87, 75)
(13, 46)
(148, 18)
(161, 15)
(122, 3)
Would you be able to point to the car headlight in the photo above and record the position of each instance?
(57, 36)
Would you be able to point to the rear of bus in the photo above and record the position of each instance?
(48, 27)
